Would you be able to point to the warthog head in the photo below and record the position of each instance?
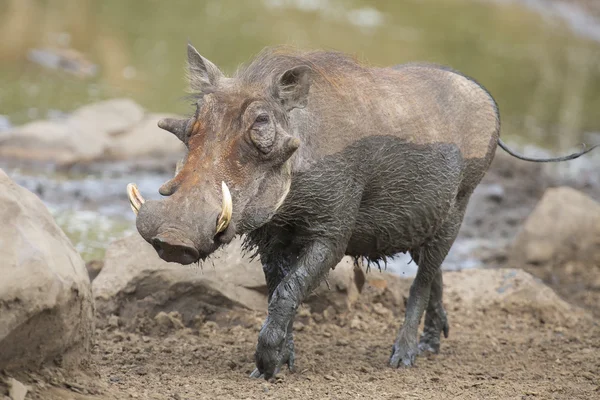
(237, 169)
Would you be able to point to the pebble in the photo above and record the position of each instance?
(356, 324)
(379, 309)
(113, 321)
(16, 390)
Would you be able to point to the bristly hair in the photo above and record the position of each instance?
(273, 61)
(377, 261)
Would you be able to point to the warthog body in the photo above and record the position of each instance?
(319, 157)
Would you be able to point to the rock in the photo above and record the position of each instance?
(560, 243)
(110, 117)
(83, 136)
(386, 289)
(136, 282)
(50, 141)
(16, 390)
(113, 321)
(65, 59)
(146, 139)
(564, 226)
(169, 321)
(342, 289)
(511, 290)
(46, 309)
(504, 290)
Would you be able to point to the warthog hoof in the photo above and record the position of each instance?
(404, 351)
(436, 322)
(275, 348)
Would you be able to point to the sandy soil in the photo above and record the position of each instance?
(516, 351)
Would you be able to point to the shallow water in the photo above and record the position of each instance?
(545, 78)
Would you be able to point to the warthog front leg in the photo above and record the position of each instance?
(273, 350)
(275, 269)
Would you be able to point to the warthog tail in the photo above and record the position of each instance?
(563, 158)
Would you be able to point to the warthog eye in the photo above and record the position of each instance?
(261, 120)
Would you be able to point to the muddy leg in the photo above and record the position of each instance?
(435, 318)
(429, 258)
(275, 271)
(306, 274)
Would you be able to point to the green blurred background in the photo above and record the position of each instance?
(544, 77)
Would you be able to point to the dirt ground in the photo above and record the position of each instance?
(519, 350)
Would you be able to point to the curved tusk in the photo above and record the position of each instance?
(226, 209)
(135, 198)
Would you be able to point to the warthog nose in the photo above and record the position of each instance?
(173, 251)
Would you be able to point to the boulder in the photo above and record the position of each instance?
(146, 139)
(564, 226)
(52, 141)
(83, 136)
(341, 289)
(110, 117)
(473, 291)
(117, 128)
(513, 291)
(136, 282)
(560, 243)
(46, 306)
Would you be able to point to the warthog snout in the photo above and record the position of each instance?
(179, 234)
(172, 249)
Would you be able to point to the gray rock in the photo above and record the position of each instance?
(146, 139)
(110, 117)
(503, 290)
(16, 390)
(341, 290)
(46, 308)
(82, 137)
(136, 282)
(564, 226)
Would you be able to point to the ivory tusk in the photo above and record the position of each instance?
(135, 198)
(226, 209)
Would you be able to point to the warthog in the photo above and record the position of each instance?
(313, 156)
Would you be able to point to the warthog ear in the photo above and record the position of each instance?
(202, 74)
(293, 86)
